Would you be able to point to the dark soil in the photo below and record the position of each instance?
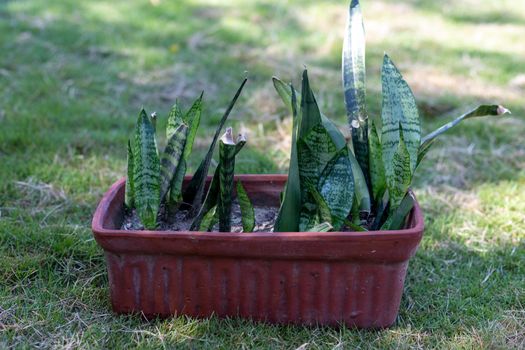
(264, 220)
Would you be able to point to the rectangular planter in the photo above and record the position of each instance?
(350, 278)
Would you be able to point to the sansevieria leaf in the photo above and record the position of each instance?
(129, 195)
(399, 179)
(322, 227)
(226, 172)
(377, 168)
(290, 210)
(171, 157)
(209, 220)
(397, 219)
(354, 85)
(247, 211)
(286, 95)
(399, 108)
(480, 111)
(195, 190)
(336, 186)
(174, 120)
(146, 174)
(362, 195)
(192, 120)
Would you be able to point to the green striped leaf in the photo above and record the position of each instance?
(227, 149)
(336, 186)
(129, 195)
(247, 211)
(175, 119)
(192, 120)
(399, 108)
(400, 178)
(480, 111)
(209, 220)
(169, 162)
(146, 174)
(195, 190)
(354, 86)
(323, 211)
(377, 168)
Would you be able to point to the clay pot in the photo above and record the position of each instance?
(336, 278)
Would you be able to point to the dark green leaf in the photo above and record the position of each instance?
(354, 227)
(360, 188)
(195, 190)
(289, 212)
(397, 220)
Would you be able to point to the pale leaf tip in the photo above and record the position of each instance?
(355, 124)
(227, 138)
(502, 110)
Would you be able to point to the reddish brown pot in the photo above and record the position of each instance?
(332, 278)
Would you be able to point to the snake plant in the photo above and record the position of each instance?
(365, 185)
(155, 181)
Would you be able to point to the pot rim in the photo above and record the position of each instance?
(98, 228)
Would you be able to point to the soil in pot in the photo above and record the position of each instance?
(265, 217)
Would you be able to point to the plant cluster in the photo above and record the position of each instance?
(154, 183)
(331, 185)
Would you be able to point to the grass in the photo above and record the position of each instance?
(73, 76)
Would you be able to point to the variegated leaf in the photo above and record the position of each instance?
(129, 194)
(192, 120)
(337, 188)
(227, 149)
(146, 174)
(377, 168)
(170, 160)
(247, 211)
(175, 119)
(399, 108)
(354, 85)
(400, 178)
(209, 220)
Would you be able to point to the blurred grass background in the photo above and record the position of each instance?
(73, 76)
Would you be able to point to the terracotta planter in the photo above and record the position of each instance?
(332, 278)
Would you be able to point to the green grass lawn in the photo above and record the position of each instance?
(74, 74)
